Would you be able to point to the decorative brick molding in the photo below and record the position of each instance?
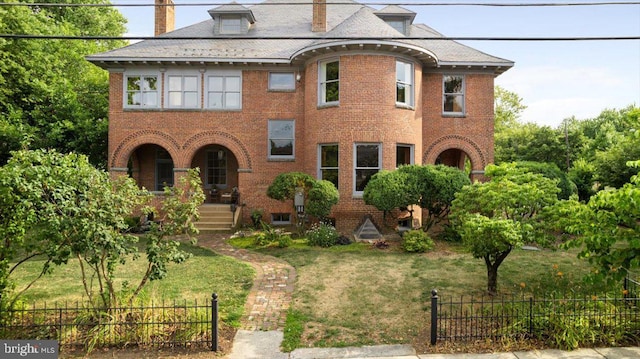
(194, 143)
(475, 153)
(125, 148)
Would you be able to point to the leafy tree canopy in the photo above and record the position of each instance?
(319, 195)
(50, 96)
(495, 216)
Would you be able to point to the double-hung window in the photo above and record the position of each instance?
(141, 91)
(328, 163)
(182, 91)
(329, 83)
(281, 139)
(368, 161)
(453, 94)
(224, 90)
(404, 155)
(216, 171)
(404, 83)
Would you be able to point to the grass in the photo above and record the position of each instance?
(195, 280)
(358, 295)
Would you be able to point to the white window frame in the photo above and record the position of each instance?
(407, 82)
(277, 86)
(411, 152)
(141, 91)
(228, 25)
(321, 168)
(454, 94)
(322, 82)
(168, 91)
(224, 75)
(356, 168)
(292, 139)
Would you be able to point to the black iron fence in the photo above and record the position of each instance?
(563, 319)
(157, 325)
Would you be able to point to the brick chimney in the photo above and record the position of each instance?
(165, 19)
(319, 23)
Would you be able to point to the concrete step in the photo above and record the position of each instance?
(215, 218)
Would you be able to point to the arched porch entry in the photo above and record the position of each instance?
(458, 151)
(218, 171)
(152, 167)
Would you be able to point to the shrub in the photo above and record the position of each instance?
(449, 234)
(416, 241)
(322, 235)
(284, 241)
(269, 236)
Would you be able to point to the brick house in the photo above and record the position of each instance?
(339, 91)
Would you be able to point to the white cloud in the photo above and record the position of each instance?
(553, 93)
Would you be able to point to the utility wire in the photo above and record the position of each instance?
(329, 2)
(454, 38)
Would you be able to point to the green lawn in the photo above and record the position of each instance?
(196, 279)
(359, 295)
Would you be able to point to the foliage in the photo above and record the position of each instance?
(496, 216)
(323, 195)
(431, 187)
(416, 241)
(319, 196)
(322, 235)
(50, 96)
(551, 171)
(270, 236)
(60, 207)
(611, 164)
(531, 142)
(508, 107)
(613, 245)
(582, 174)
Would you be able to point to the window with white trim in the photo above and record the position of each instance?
(224, 90)
(453, 94)
(329, 82)
(183, 91)
(404, 83)
(404, 155)
(281, 139)
(230, 24)
(141, 91)
(328, 163)
(282, 81)
(399, 25)
(368, 161)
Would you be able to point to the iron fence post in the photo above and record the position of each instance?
(214, 322)
(434, 316)
(531, 316)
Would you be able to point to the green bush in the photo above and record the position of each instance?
(416, 240)
(322, 235)
(269, 236)
(449, 234)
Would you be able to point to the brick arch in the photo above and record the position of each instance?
(475, 153)
(193, 144)
(121, 155)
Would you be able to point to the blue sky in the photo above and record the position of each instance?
(556, 80)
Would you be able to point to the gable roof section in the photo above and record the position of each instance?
(281, 35)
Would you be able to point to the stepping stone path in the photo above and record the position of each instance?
(270, 297)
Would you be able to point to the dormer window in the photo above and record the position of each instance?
(397, 17)
(231, 19)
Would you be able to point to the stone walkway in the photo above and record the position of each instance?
(270, 297)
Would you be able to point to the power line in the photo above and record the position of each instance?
(521, 4)
(454, 38)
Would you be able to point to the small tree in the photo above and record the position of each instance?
(431, 187)
(319, 196)
(496, 216)
(60, 207)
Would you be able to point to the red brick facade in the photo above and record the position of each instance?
(366, 113)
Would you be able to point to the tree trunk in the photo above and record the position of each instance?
(492, 280)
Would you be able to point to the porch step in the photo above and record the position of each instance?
(215, 218)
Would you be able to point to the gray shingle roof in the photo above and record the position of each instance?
(350, 25)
